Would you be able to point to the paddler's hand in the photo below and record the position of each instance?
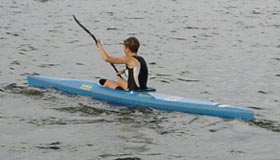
(99, 45)
(120, 72)
(102, 52)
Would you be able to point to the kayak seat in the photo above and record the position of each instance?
(145, 90)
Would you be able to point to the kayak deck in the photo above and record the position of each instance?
(143, 98)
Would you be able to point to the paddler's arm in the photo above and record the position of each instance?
(107, 58)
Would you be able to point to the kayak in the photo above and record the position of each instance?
(142, 98)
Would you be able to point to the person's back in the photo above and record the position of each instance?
(136, 67)
(138, 76)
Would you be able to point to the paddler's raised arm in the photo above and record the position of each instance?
(102, 51)
(105, 56)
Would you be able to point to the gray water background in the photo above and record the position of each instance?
(226, 51)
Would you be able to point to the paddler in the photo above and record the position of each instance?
(136, 67)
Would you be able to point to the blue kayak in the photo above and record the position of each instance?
(143, 98)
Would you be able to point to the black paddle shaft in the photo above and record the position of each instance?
(93, 37)
(78, 22)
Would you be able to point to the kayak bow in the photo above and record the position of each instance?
(144, 98)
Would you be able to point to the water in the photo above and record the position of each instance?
(222, 51)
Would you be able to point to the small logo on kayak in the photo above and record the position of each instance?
(173, 98)
(86, 87)
(144, 95)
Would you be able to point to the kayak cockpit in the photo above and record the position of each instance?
(149, 89)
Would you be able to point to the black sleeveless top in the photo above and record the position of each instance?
(138, 76)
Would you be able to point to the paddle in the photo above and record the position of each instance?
(93, 37)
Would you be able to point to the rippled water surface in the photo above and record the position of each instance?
(220, 50)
